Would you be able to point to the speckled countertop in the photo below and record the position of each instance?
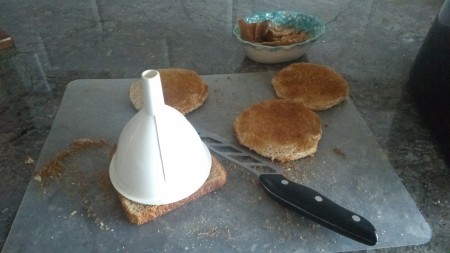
(372, 43)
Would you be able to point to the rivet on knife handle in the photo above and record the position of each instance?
(319, 208)
(306, 201)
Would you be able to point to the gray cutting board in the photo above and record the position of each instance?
(79, 214)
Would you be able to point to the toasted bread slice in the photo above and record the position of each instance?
(139, 213)
(183, 90)
(280, 129)
(318, 87)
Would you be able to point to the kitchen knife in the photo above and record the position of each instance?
(306, 201)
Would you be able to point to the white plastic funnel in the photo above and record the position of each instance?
(160, 157)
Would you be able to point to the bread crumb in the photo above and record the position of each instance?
(54, 168)
(78, 183)
(339, 152)
(37, 178)
(29, 160)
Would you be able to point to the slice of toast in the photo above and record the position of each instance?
(317, 86)
(183, 89)
(139, 213)
(280, 129)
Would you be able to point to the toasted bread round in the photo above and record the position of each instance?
(280, 129)
(318, 87)
(183, 90)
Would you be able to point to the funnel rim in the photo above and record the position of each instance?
(125, 191)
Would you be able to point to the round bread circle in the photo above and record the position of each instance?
(183, 90)
(318, 87)
(280, 129)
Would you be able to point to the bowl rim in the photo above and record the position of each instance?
(321, 24)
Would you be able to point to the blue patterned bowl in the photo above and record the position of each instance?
(277, 54)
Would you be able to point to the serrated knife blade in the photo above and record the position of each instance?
(304, 200)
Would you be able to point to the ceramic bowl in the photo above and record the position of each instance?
(277, 54)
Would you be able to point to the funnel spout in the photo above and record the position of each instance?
(152, 92)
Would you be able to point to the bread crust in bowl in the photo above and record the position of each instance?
(280, 129)
(183, 90)
(317, 86)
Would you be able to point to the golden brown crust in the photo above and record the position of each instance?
(268, 34)
(183, 90)
(140, 213)
(280, 129)
(247, 30)
(136, 95)
(318, 87)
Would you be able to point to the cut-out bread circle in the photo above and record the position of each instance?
(183, 90)
(318, 87)
(280, 129)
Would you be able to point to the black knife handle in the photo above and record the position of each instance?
(318, 208)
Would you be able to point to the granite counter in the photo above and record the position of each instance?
(371, 43)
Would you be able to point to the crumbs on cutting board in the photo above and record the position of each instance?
(54, 168)
(78, 182)
(295, 171)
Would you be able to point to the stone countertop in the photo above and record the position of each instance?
(371, 43)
